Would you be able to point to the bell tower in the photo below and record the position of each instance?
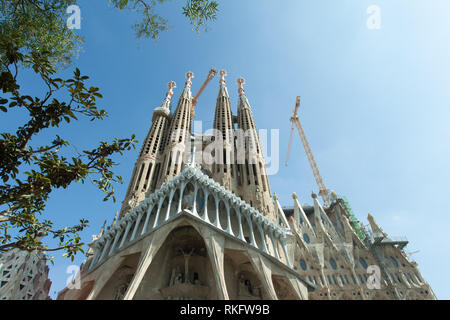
(178, 135)
(254, 184)
(223, 168)
(147, 167)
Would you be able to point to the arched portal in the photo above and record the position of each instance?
(283, 290)
(181, 270)
(116, 286)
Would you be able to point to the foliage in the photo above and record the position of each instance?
(199, 12)
(39, 25)
(34, 34)
(30, 174)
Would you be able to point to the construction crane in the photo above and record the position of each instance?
(323, 192)
(211, 75)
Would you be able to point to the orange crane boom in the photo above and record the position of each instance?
(323, 192)
(211, 75)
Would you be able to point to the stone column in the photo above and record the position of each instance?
(264, 274)
(147, 218)
(215, 245)
(300, 289)
(104, 274)
(155, 242)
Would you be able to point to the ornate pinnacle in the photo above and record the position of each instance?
(189, 76)
(222, 74)
(294, 195)
(240, 82)
(171, 85)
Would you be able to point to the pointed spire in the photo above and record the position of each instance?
(171, 85)
(115, 219)
(376, 229)
(279, 211)
(243, 101)
(187, 88)
(241, 82)
(319, 212)
(102, 230)
(300, 213)
(223, 91)
(164, 108)
(222, 74)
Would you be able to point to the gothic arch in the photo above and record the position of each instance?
(117, 284)
(283, 289)
(180, 269)
(242, 282)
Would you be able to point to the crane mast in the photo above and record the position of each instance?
(211, 75)
(323, 192)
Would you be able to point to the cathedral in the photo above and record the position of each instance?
(199, 222)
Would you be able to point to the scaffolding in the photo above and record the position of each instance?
(352, 218)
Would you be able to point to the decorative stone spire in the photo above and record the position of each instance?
(187, 88)
(376, 229)
(115, 219)
(102, 230)
(251, 165)
(243, 101)
(178, 135)
(147, 167)
(241, 82)
(164, 109)
(222, 74)
(223, 168)
(171, 85)
(223, 92)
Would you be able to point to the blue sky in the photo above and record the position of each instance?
(375, 105)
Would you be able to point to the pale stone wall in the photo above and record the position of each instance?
(23, 276)
(189, 261)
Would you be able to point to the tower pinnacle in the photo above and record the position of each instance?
(241, 82)
(187, 88)
(164, 109)
(189, 76)
(171, 85)
(222, 74)
(166, 103)
(223, 92)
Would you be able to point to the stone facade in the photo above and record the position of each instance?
(347, 261)
(23, 276)
(197, 230)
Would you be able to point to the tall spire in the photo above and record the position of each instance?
(223, 168)
(171, 85)
(178, 134)
(243, 101)
(147, 167)
(187, 88)
(165, 105)
(223, 92)
(222, 74)
(251, 164)
(241, 82)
